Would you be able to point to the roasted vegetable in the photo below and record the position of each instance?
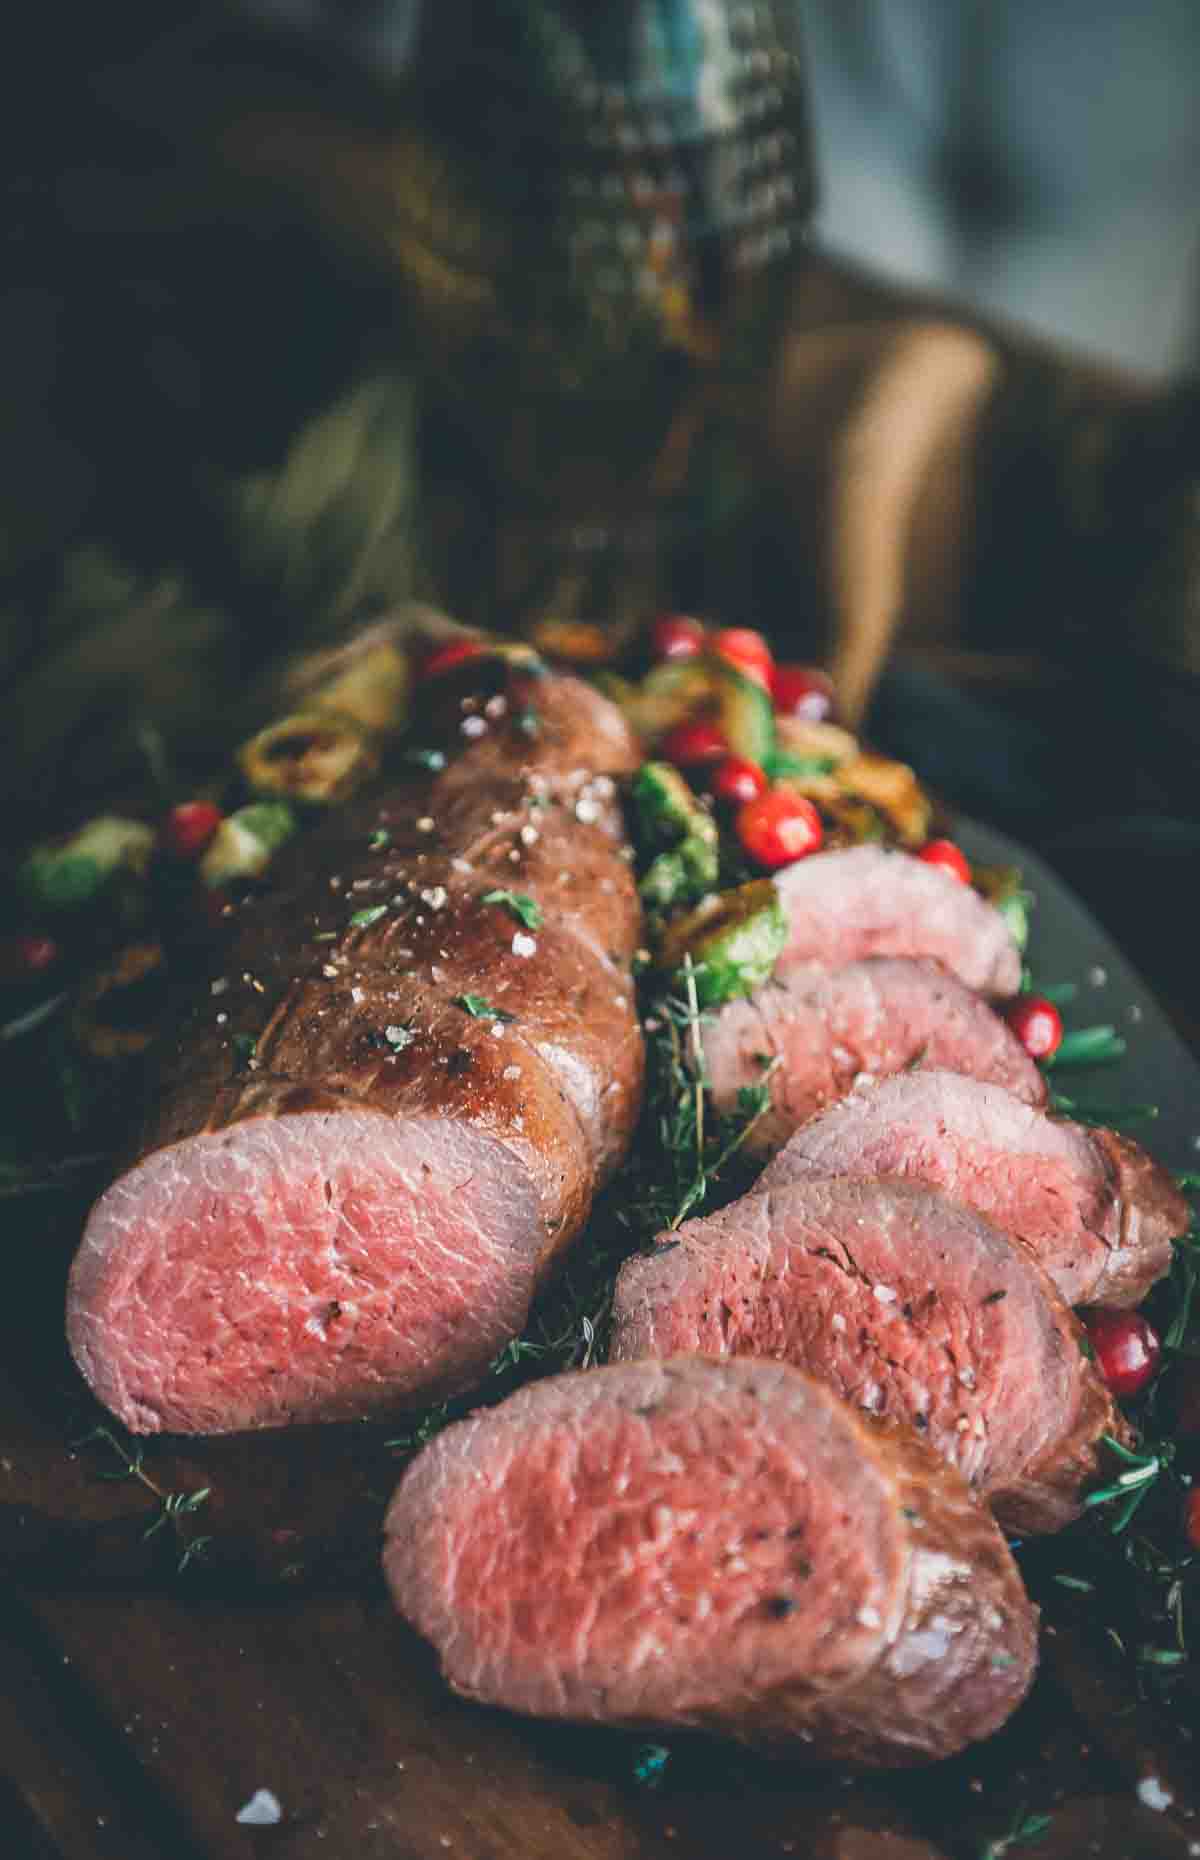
(312, 756)
(245, 842)
(742, 712)
(733, 939)
(71, 873)
(669, 813)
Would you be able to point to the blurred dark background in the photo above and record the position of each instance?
(312, 305)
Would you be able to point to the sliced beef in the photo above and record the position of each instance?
(376, 1132)
(816, 1033)
(867, 901)
(1095, 1210)
(719, 1545)
(905, 1303)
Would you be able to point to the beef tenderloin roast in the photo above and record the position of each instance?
(373, 1137)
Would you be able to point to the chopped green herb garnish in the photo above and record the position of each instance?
(398, 1037)
(244, 1048)
(526, 910)
(1076, 1582)
(380, 840)
(479, 1009)
(325, 936)
(370, 915)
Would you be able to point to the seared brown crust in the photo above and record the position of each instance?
(1151, 1211)
(965, 1626)
(1050, 1493)
(559, 1084)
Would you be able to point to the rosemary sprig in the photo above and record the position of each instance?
(1107, 1116)
(1087, 1046)
(1131, 1487)
(172, 1506)
(1057, 993)
(1185, 1276)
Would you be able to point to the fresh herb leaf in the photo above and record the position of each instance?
(371, 915)
(479, 1009)
(380, 840)
(526, 910)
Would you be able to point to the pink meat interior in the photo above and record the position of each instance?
(311, 1267)
(634, 1562)
(905, 1304)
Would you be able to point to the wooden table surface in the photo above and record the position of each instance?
(140, 1709)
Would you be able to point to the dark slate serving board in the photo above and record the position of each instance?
(1068, 945)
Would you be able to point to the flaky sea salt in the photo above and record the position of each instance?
(524, 945)
(1152, 1794)
(869, 1618)
(263, 1810)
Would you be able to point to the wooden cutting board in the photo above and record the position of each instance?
(141, 1709)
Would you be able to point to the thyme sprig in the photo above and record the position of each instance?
(687, 1148)
(1023, 1830)
(172, 1506)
